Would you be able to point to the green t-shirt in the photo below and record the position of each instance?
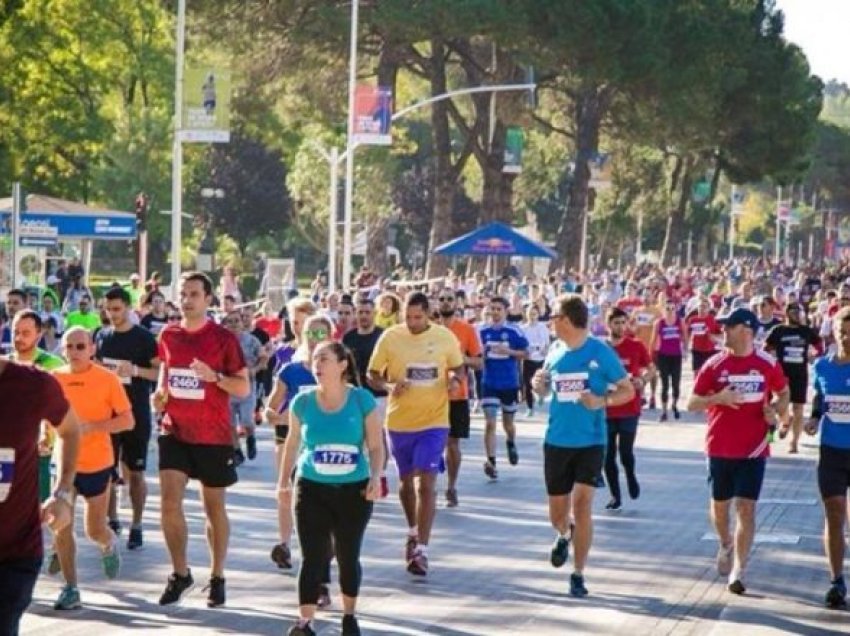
(90, 321)
(43, 360)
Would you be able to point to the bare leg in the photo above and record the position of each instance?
(745, 530)
(95, 521)
(218, 527)
(426, 505)
(138, 494)
(407, 496)
(490, 432)
(583, 535)
(833, 535)
(172, 485)
(720, 518)
(508, 425)
(284, 504)
(559, 513)
(66, 549)
(796, 426)
(453, 459)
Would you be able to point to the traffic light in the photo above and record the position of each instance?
(141, 209)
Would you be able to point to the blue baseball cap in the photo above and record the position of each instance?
(740, 316)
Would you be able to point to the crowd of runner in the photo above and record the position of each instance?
(394, 369)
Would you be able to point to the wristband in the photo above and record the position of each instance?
(134, 371)
(64, 495)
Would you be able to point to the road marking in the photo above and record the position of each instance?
(790, 502)
(763, 537)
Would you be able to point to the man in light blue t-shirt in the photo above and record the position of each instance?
(580, 371)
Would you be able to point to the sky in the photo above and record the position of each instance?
(820, 28)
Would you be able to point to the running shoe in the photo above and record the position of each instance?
(53, 565)
(251, 446)
(135, 540)
(410, 548)
(324, 599)
(282, 556)
(490, 471)
(736, 587)
(111, 561)
(836, 597)
(215, 592)
(451, 498)
(725, 557)
(560, 552)
(385, 487)
(614, 504)
(577, 587)
(676, 414)
(176, 588)
(513, 455)
(238, 457)
(115, 526)
(418, 565)
(663, 416)
(350, 626)
(300, 629)
(652, 405)
(634, 486)
(69, 599)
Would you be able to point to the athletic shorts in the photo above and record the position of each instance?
(493, 399)
(736, 477)
(131, 447)
(833, 471)
(623, 424)
(798, 382)
(90, 485)
(459, 419)
(242, 411)
(420, 451)
(280, 433)
(698, 358)
(565, 467)
(212, 465)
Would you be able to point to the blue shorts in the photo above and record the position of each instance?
(736, 477)
(419, 451)
(493, 399)
(90, 485)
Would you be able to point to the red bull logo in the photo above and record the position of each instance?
(494, 245)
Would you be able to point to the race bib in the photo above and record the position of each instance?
(644, 319)
(185, 384)
(494, 354)
(794, 355)
(698, 329)
(336, 459)
(750, 386)
(112, 365)
(669, 333)
(422, 374)
(570, 386)
(7, 472)
(838, 408)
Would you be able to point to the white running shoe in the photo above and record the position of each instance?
(725, 558)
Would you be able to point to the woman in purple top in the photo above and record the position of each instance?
(669, 341)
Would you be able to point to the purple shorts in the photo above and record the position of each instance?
(419, 451)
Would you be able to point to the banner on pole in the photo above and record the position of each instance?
(739, 199)
(513, 150)
(783, 211)
(206, 105)
(373, 111)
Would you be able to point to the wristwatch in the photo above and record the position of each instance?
(219, 376)
(63, 494)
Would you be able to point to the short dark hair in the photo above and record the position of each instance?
(230, 297)
(365, 300)
(118, 293)
(573, 308)
(500, 300)
(201, 278)
(17, 292)
(417, 299)
(32, 315)
(616, 312)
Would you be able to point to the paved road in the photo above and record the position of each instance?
(651, 569)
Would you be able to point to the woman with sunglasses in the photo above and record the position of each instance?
(332, 428)
(293, 378)
(669, 342)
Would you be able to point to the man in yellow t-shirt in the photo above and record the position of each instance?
(102, 406)
(418, 363)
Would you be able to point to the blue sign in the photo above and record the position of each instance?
(107, 226)
(38, 241)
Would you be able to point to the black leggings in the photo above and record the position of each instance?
(623, 430)
(670, 369)
(529, 368)
(322, 512)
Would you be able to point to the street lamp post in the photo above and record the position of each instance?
(177, 156)
(349, 150)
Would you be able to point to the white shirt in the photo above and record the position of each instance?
(537, 335)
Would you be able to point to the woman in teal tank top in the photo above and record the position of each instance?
(332, 428)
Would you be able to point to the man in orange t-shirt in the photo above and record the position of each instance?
(102, 407)
(470, 347)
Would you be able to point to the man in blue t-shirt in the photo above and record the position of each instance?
(580, 371)
(504, 346)
(831, 410)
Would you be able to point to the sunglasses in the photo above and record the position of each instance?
(79, 346)
(316, 334)
(446, 299)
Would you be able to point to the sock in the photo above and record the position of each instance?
(413, 532)
(492, 460)
(423, 549)
(577, 573)
(736, 574)
(135, 526)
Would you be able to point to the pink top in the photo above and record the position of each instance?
(669, 337)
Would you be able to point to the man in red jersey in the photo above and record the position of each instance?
(631, 300)
(734, 387)
(622, 421)
(704, 331)
(202, 367)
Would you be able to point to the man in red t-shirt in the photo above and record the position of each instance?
(734, 387)
(202, 367)
(622, 420)
(631, 300)
(704, 332)
(37, 397)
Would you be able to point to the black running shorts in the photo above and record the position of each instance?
(798, 382)
(459, 419)
(565, 467)
(212, 465)
(833, 471)
(736, 477)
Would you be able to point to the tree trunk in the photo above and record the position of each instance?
(589, 107)
(444, 182)
(675, 233)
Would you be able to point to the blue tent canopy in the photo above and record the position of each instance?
(60, 219)
(494, 239)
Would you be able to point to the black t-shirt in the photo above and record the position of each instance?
(154, 324)
(791, 344)
(362, 346)
(261, 335)
(137, 346)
